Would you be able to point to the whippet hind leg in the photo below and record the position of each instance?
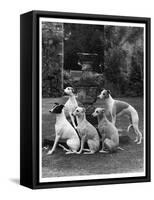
(93, 146)
(64, 148)
(73, 145)
(110, 145)
(138, 133)
(135, 122)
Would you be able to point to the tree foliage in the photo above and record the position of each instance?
(52, 37)
(136, 79)
(123, 45)
(119, 60)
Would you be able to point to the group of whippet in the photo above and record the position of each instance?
(80, 130)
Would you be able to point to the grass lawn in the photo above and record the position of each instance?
(59, 164)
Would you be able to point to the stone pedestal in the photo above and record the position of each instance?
(87, 86)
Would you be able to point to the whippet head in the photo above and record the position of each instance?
(57, 108)
(104, 94)
(69, 91)
(98, 112)
(79, 111)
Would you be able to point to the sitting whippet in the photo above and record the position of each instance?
(109, 133)
(87, 132)
(117, 108)
(64, 130)
(71, 104)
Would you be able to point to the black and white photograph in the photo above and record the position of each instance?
(92, 99)
(76, 100)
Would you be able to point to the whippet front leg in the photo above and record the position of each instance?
(113, 118)
(54, 145)
(82, 144)
(102, 150)
(72, 119)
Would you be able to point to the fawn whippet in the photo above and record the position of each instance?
(108, 131)
(87, 132)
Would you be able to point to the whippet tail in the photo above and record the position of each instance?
(130, 125)
(134, 124)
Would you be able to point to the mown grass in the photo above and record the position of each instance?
(60, 164)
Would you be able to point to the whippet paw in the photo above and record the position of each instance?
(49, 153)
(119, 148)
(88, 152)
(78, 152)
(135, 140)
(69, 152)
(102, 151)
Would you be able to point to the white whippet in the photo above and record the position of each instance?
(117, 108)
(87, 132)
(108, 131)
(64, 130)
(71, 104)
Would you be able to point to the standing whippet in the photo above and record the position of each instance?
(109, 133)
(117, 108)
(71, 104)
(87, 132)
(64, 130)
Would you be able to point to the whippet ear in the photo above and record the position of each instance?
(103, 110)
(58, 109)
(72, 89)
(101, 89)
(61, 106)
(108, 91)
(56, 103)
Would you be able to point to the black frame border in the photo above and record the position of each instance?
(29, 62)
